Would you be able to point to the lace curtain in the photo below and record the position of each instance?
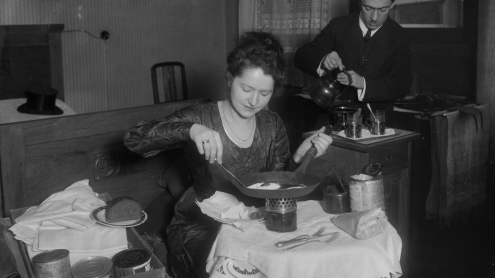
(295, 22)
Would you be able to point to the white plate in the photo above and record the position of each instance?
(98, 215)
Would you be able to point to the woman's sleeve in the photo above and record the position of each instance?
(282, 157)
(149, 138)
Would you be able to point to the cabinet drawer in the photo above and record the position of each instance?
(394, 158)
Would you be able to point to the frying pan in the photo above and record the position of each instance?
(284, 178)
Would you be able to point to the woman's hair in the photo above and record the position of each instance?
(259, 50)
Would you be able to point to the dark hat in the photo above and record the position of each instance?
(40, 101)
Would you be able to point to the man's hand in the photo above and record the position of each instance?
(333, 61)
(357, 80)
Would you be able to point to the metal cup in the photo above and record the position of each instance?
(335, 201)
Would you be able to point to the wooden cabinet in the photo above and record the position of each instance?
(30, 55)
(347, 157)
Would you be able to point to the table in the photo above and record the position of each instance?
(9, 113)
(347, 158)
(346, 257)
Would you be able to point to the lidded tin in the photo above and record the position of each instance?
(131, 261)
(52, 264)
(366, 189)
(366, 192)
(93, 267)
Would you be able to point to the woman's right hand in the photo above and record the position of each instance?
(208, 142)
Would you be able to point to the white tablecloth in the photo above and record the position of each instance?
(9, 113)
(346, 257)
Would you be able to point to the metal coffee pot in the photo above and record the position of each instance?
(326, 90)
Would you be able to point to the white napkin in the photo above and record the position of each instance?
(68, 208)
(362, 224)
(96, 239)
(225, 208)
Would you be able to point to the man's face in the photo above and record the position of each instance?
(375, 12)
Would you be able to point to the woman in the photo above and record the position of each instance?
(237, 132)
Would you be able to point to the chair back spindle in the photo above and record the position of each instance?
(169, 82)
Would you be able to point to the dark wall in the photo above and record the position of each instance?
(444, 59)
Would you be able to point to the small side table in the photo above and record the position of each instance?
(347, 157)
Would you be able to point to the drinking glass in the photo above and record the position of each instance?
(378, 123)
(353, 126)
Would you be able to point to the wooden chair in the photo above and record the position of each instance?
(169, 82)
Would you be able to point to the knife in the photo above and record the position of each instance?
(331, 239)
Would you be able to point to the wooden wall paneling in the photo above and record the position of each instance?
(12, 161)
(80, 125)
(45, 156)
(103, 159)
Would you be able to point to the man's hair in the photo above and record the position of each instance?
(259, 50)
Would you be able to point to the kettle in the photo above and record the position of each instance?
(326, 90)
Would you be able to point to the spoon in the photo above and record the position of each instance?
(371, 111)
(227, 170)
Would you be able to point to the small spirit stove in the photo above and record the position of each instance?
(281, 214)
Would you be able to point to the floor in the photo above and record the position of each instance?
(464, 249)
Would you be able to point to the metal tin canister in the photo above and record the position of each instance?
(131, 261)
(366, 192)
(334, 201)
(52, 264)
(93, 267)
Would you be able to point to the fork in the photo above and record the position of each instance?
(300, 238)
(332, 238)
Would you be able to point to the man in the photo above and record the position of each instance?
(372, 47)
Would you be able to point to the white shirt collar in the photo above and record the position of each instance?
(364, 29)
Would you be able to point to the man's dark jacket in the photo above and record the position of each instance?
(387, 70)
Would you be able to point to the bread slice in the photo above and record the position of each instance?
(122, 209)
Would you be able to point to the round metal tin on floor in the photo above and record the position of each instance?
(52, 264)
(132, 261)
(93, 267)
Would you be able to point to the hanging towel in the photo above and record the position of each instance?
(460, 145)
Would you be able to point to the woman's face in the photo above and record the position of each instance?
(251, 91)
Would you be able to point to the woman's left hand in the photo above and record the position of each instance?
(320, 140)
